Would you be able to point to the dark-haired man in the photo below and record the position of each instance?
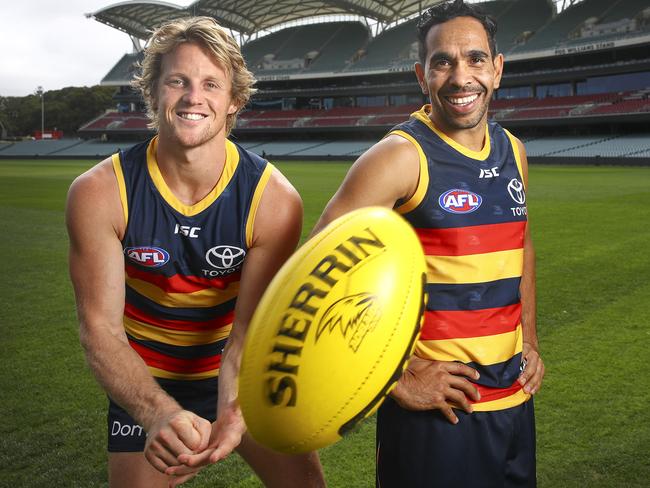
(462, 413)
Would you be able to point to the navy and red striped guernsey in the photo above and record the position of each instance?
(183, 263)
(469, 211)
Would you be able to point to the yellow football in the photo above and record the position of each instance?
(333, 331)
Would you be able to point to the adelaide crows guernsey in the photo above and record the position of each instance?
(183, 262)
(469, 211)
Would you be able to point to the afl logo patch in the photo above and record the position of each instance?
(225, 257)
(151, 257)
(459, 201)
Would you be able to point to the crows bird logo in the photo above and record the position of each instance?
(354, 316)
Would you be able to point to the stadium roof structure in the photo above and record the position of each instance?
(247, 17)
(138, 18)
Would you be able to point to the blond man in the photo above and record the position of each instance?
(172, 243)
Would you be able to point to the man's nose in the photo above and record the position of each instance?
(192, 94)
(460, 75)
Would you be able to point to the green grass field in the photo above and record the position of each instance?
(591, 226)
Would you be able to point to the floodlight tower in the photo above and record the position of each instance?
(39, 92)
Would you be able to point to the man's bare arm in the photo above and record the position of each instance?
(533, 375)
(95, 223)
(388, 172)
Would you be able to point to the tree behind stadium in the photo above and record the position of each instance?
(65, 109)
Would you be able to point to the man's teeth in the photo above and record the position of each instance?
(191, 116)
(463, 100)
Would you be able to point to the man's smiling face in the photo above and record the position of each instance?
(460, 74)
(193, 96)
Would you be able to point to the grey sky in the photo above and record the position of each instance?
(52, 44)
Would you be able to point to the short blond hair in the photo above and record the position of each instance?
(207, 33)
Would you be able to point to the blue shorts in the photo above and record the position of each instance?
(200, 397)
(483, 450)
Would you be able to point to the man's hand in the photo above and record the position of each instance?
(533, 374)
(179, 432)
(226, 435)
(428, 385)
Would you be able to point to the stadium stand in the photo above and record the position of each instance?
(281, 148)
(588, 21)
(116, 120)
(549, 145)
(336, 149)
(308, 149)
(518, 20)
(317, 47)
(123, 71)
(571, 101)
(623, 107)
(591, 147)
(93, 148)
(557, 29)
(62, 148)
(338, 116)
(284, 122)
(622, 10)
(254, 51)
(539, 113)
(39, 148)
(393, 48)
(496, 8)
(339, 50)
(501, 109)
(329, 88)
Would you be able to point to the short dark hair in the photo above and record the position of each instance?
(446, 11)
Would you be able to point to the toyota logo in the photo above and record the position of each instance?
(516, 190)
(225, 257)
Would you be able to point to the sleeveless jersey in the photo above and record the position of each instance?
(183, 262)
(470, 215)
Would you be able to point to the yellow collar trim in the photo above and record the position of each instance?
(423, 116)
(230, 165)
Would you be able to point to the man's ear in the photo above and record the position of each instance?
(233, 107)
(419, 73)
(498, 70)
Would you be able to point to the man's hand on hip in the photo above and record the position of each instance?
(428, 385)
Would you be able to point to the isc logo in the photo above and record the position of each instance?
(460, 201)
(151, 257)
(489, 173)
(187, 231)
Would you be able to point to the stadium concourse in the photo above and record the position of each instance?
(333, 77)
